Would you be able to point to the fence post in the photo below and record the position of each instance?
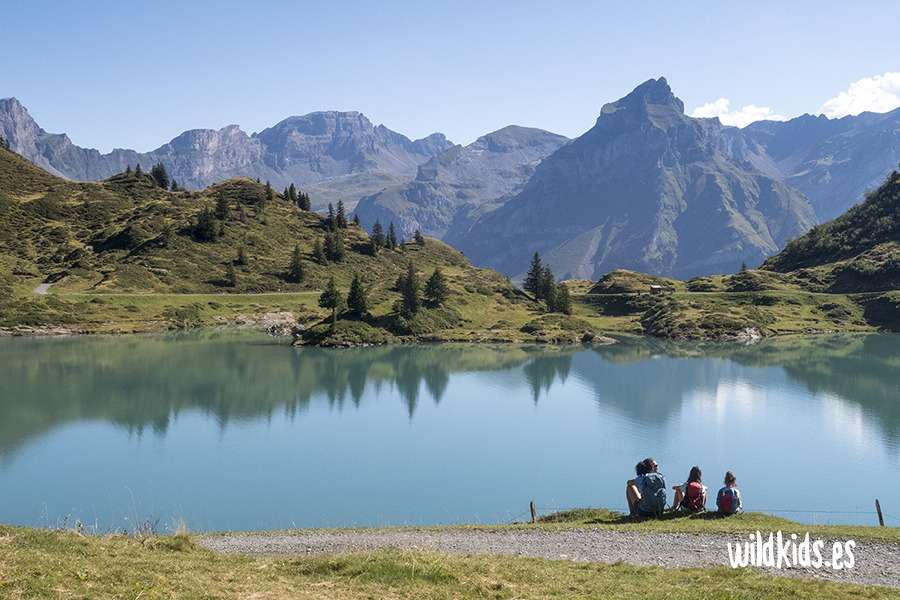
(878, 508)
(533, 513)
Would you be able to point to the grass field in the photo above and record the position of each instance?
(65, 564)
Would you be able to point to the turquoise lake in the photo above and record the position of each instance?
(226, 431)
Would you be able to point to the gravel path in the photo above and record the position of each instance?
(875, 564)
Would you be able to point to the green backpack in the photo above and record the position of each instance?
(653, 494)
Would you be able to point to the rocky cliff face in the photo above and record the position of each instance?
(648, 189)
(455, 188)
(834, 162)
(301, 150)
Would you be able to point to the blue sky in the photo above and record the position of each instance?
(135, 74)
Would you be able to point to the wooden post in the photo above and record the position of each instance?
(534, 513)
(878, 508)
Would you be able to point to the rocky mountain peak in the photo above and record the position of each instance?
(651, 96)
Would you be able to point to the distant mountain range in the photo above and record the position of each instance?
(647, 188)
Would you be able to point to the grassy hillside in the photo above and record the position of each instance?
(125, 255)
(857, 252)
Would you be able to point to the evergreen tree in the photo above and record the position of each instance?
(546, 284)
(533, 276)
(205, 228)
(222, 208)
(408, 285)
(167, 236)
(436, 289)
(318, 252)
(303, 201)
(391, 241)
(230, 275)
(137, 170)
(292, 194)
(418, 238)
(341, 218)
(330, 219)
(128, 170)
(295, 270)
(270, 195)
(286, 195)
(331, 298)
(563, 302)
(175, 187)
(334, 246)
(357, 301)
(158, 172)
(356, 220)
(377, 237)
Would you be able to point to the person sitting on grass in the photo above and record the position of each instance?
(728, 500)
(646, 493)
(690, 496)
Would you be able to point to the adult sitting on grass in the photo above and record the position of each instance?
(646, 493)
(690, 496)
(728, 500)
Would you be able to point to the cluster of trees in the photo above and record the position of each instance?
(296, 197)
(381, 240)
(332, 299)
(412, 296)
(541, 283)
(159, 175)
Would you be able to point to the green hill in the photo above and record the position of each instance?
(127, 255)
(856, 252)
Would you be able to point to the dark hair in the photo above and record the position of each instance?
(645, 466)
(730, 479)
(696, 475)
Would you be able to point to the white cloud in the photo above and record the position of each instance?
(878, 94)
(738, 118)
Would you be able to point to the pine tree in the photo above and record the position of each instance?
(303, 201)
(357, 301)
(295, 270)
(331, 298)
(356, 220)
(270, 195)
(391, 240)
(137, 170)
(341, 218)
(436, 289)
(318, 252)
(377, 237)
(230, 275)
(205, 228)
(533, 277)
(128, 170)
(563, 302)
(175, 187)
(222, 209)
(334, 246)
(418, 238)
(546, 284)
(409, 285)
(292, 194)
(158, 172)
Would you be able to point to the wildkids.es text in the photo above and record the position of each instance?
(785, 552)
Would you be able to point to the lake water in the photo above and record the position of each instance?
(228, 431)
